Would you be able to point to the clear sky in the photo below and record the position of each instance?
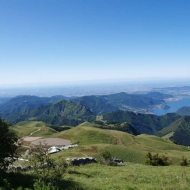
(78, 40)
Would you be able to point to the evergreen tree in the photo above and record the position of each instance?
(8, 145)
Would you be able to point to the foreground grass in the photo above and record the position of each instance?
(123, 177)
(129, 176)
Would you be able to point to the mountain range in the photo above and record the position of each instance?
(107, 112)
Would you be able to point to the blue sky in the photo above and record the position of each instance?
(51, 41)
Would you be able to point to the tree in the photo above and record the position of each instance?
(8, 145)
(45, 169)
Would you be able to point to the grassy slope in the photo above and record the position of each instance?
(90, 139)
(25, 128)
(130, 175)
(131, 148)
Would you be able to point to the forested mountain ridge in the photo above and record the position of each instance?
(63, 112)
(178, 131)
(20, 104)
(96, 104)
(143, 123)
(124, 100)
(56, 111)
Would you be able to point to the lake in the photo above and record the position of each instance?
(174, 106)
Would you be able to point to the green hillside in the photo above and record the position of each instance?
(135, 102)
(33, 128)
(125, 127)
(66, 113)
(63, 112)
(179, 131)
(20, 104)
(121, 144)
(143, 123)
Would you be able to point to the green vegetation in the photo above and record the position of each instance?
(86, 134)
(179, 131)
(96, 104)
(130, 176)
(7, 146)
(45, 169)
(157, 160)
(112, 135)
(183, 161)
(33, 128)
(143, 123)
(137, 101)
(133, 174)
(127, 176)
(23, 108)
(120, 144)
(63, 112)
(125, 127)
(106, 158)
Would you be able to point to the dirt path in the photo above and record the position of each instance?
(118, 140)
(29, 138)
(35, 131)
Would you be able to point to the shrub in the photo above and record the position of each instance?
(183, 161)
(157, 160)
(106, 158)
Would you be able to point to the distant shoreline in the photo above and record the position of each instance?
(172, 99)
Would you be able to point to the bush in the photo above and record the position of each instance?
(106, 158)
(183, 161)
(157, 160)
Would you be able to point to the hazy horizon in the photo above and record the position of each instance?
(147, 80)
(91, 88)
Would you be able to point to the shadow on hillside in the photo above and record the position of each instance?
(25, 180)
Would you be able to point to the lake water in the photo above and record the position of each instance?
(174, 106)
